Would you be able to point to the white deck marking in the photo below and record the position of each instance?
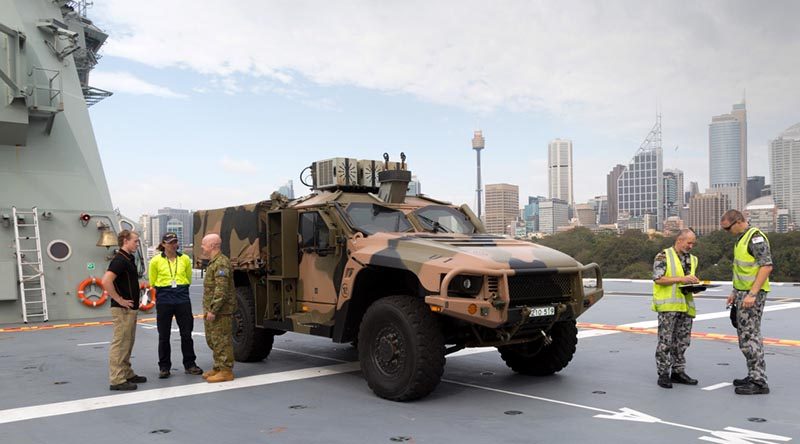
(716, 386)
(139, 397)
(729, 436)
(591, 333)
(93, 343)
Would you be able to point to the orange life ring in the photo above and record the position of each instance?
(152, 300)
(82, 294)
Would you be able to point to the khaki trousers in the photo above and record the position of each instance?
(119, 353)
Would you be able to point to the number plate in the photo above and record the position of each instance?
(542, 311)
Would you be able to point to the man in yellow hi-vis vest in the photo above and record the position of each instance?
(752, 265)
(673, 267)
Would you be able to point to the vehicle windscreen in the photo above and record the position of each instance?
(371, 218)
(443, 219)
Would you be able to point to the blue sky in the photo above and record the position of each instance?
(221, 103)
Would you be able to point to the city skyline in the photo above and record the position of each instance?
(282, 88)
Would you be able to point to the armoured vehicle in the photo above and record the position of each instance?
(407, 279)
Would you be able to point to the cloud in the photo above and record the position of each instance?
(124, 82)
(605, 67)
(613, 60)
(237, 166)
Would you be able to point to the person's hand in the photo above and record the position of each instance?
(125, 303)
(210, 316)
(748, 301)
(729, 301)
(691, 280)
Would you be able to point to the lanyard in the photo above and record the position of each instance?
(169, 265)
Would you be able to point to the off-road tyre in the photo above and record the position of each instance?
(250, 344)
(401, 348)
(537, 359)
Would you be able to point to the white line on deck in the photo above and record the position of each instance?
(716, 386)
(104, 402)
(591, 333)
(93, 343)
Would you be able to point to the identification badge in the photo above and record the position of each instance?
(174, 284)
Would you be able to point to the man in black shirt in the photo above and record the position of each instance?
(121, 281)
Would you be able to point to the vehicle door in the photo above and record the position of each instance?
(318, 260)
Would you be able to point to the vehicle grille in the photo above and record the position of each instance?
(532, 289)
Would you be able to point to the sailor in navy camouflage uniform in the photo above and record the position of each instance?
(675, 325)
(752, 267)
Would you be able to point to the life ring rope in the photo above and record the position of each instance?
(86, 300)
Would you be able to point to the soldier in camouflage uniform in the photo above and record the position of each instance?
(752, 265)
(219, 303)
(672, 267)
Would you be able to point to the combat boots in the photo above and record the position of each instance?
(682, 378)
(753, 388)
(221, 376)
(663, 381)
(209, 373)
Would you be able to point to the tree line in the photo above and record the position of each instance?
(630, 254)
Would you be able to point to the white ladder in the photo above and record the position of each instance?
(29, 260)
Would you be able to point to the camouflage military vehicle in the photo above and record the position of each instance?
(408, 279)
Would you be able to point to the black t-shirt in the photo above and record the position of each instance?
(127, 281)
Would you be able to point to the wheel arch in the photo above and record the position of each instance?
(370, 284)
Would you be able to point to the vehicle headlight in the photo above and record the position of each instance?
(464, 285)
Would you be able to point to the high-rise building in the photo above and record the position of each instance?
(559, 170)
(176, 220)
(414, 187)
(600, 206)
(727, 154)
(611, 191)
(530, 213)
(586, 215)
(762, 213)
(553, 213)
(146, 234)
(705, 211)
(640, 188)
(673, 192)
(755, 184)
(287, 189)
(502, 207)
(784, 167)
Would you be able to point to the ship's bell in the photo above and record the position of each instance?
(107, 239)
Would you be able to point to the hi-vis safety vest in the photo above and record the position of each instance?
(745, 267)
(670, 297)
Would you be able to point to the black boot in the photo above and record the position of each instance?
(753, 388)
(682, 378)
(663, 381)
(741, 382)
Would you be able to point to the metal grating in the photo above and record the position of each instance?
(538, 288)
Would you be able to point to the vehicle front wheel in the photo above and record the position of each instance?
(539, 358)
(401, 348)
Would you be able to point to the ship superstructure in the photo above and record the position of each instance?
(50, 165)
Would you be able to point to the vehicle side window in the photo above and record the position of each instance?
(313, 231)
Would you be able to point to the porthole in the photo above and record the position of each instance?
(59, 250)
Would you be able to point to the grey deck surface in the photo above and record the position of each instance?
(480, 400)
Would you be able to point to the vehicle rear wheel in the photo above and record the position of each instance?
(250, 344)
(540, 359)
(401, 348)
